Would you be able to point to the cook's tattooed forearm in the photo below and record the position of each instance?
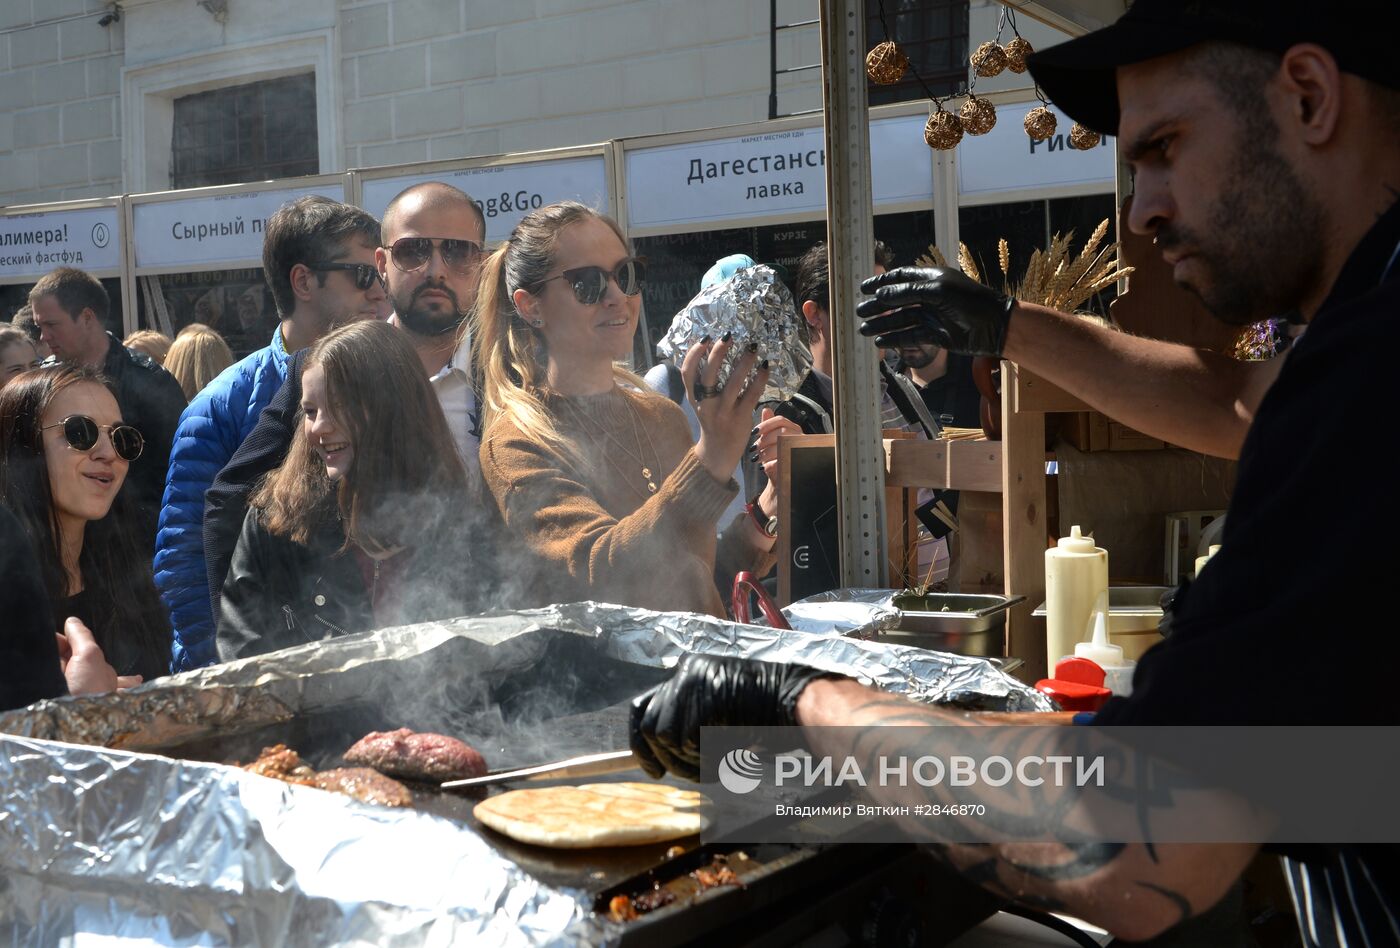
(889, 727)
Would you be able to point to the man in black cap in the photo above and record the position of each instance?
(1265, 144)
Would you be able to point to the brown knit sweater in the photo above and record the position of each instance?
(592, 530)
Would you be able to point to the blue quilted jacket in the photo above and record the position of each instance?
(211, 429)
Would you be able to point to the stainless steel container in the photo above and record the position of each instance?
(1133, 614)
(963, 623)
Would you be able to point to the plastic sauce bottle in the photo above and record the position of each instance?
(1076, 574)
(1202, 560)
(1117, 671)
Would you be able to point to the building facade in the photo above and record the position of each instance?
(141, 96)
(91, 93)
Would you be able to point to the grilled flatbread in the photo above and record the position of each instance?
(595, 814)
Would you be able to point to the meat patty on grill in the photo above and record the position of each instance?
(365, 785)
(412, 756)
(282, 763)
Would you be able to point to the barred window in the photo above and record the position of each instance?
(250, 132)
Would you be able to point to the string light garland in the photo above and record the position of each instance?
(1016, 52)
(1040, 123)
(943, 130)
(978, 115)
(988, 60)
(1082, 138)
(886, 64)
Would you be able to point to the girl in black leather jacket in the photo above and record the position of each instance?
(367, 524)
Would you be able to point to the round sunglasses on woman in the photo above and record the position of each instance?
(82, 432)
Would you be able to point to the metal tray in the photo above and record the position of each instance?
(963, 623)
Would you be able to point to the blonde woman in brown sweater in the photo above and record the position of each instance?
(596, 475)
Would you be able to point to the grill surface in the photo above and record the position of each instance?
(544, 713)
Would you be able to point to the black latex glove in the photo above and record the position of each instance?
(712, 691)
(937, 305)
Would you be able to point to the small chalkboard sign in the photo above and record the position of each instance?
(809, 559)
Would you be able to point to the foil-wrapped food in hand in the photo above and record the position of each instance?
(755, 306)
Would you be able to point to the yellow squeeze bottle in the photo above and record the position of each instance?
(1076, 575)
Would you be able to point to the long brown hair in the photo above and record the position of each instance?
(405, 464)
(114, 570)
(510, 353)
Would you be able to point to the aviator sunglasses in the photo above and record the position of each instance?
(590, 283)
(413, 253)
(365, 274)
(81, 432)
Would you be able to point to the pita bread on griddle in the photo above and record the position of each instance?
(595, 814)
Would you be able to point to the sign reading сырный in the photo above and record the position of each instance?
(211, 232)
(506, 192)
(769, 174)
(33, 244)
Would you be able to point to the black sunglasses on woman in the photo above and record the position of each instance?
(590, 283)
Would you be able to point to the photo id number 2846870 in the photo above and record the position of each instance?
(951, 809)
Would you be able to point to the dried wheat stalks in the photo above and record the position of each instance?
(966, 264)
(1052, 277)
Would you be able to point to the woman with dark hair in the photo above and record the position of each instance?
(596, 474)
(64, 454)
(17, 353)
(362, 526)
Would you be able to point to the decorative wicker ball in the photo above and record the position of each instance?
(988, 59)
(943, 131)
(886, 63)
(1040, 123)
(978, 116)
(1083, 138)
(1016, 52)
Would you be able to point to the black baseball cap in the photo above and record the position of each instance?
(1079, 76)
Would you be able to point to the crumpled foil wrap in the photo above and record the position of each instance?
(96, 840)
(859, 619)
(756, 306)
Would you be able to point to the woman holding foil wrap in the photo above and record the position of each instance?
(64, 455)
(360, 527)
(597, 475)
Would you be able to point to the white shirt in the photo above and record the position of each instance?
(453, 385)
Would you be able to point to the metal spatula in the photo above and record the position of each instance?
(590, 765)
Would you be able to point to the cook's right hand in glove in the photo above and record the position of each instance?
(938, 305)
(712, 691)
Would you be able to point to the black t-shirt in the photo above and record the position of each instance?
(29, 669)
(121, 646)
(1278, 628)
(952, 398)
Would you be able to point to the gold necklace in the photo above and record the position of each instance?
(647, 474)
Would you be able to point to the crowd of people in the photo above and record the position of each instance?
(482, 445)
(431, 431)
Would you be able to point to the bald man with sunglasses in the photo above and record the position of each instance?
(430, 262)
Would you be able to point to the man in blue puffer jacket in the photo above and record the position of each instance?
(318, 258)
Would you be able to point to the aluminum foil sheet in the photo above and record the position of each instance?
(756, 306)
(97, 841)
